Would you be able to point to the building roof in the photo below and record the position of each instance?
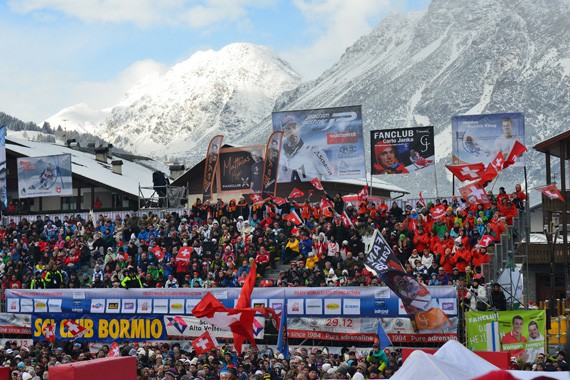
(134, 173)
(552, 145)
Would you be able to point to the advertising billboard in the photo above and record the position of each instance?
(402, 151)
(479, 138)
(45, 176)
(321, 143)
(241, 169)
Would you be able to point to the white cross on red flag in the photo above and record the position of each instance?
(49, 333)
(317, 184)
(363, 194)
(474, 191)
(468, 172)
(74, 328)
(294, 218)
(279, 201)
(256, 198)
(114, 351)
(551, 191)
(326, 203)
(184, 254)
(204, 343)
(345, 219)
(157, 252)
(437, 211)
(296, 193)
(498, 161)
(486, 240)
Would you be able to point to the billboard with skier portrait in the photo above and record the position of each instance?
(402, 150)
(322, 143)
(44, 176)
(479, 138)
(241, 169)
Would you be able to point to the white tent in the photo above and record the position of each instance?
(455, 362)
(452, 361)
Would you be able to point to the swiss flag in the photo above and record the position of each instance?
(551, 191)
(345, 219)
(279, 201)
(294, 218)
(184, 254)
(363, 194)
(157, 252)
(486, 240)
(326, 203)
(517, 150)
(317, 183)
(469, 172)
(239, 319)
(295, 231)
(296, 193)
(49, 333)
(437, 211)
(499, 161)
(204, 343)
(474, 190)
(74, 328)
(114, 351)
(256, 198)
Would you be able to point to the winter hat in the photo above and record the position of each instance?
(380, 147)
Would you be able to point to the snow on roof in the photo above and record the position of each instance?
(540, 238)
(373, 182)
(84, 164)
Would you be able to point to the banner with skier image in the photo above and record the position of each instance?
(479, 138)
(3, 192)
(272, 152)
(45, 176)
(402, 150)
(210, 166)
(326, 143)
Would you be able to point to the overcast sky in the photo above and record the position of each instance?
(57, 53)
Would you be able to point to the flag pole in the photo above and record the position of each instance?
(452, 184)
(435, 177)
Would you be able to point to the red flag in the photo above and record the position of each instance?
(437, 211)
(499, 161)
(74, 328)
(294, 218)
(317, 184)
(184, 254)
(551, 191)
(244, 299)
(490, 174)
(256, 198)
(422, 201)
(363, 194)
(345, 219)
(476, 191)
(114, 351)
(486, 240)
(467, 172)
(49, 333)
(239, 321)
(296, 193)
(295, 231)
(325, 203)
(279, 201)
(204, 343)
(517, 150)
(157, 252)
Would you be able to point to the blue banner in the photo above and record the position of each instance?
(322, 143)
(374, 301)
(105, 328)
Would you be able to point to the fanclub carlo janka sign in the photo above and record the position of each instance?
(402, 151)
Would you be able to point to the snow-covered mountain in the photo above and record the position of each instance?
(175, 115)
(458, 57)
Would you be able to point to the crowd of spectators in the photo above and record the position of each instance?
(142, 250)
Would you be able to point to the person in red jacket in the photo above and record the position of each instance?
(479, 257)
(421, 239)
(262, 260)
(461, 257)
(447, 261)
